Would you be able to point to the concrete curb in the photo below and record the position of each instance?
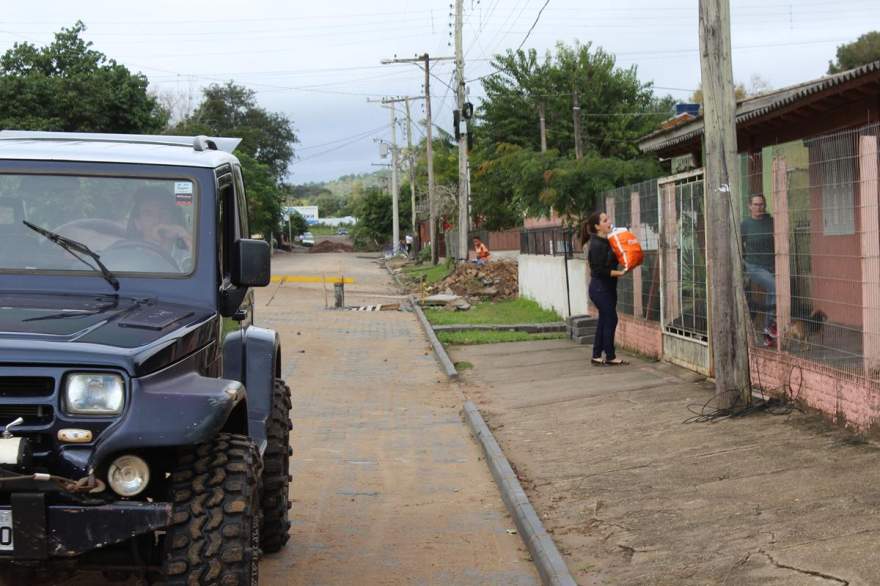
(550, 564)
(394, 276)
(439, 351)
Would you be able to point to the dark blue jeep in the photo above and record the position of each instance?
(145, 421)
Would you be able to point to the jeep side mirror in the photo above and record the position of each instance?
(250, 263)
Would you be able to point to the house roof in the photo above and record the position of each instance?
(757, 107)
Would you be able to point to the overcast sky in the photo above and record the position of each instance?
(318, 62)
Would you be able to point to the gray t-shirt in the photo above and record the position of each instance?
(757, 241)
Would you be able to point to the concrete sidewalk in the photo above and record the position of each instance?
(633, 495)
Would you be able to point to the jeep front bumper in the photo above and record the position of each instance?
(40, 531)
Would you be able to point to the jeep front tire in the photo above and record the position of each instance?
(215, 533)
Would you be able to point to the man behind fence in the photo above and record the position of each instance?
(758, 256)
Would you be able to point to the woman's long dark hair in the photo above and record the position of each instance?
(588, 228)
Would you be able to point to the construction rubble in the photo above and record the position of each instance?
(330, 246)
(470, 283)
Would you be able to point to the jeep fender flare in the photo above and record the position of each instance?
(253, 356)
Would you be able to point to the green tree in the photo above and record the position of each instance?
(265, 150)
(298, 224)
(265, 197)
(616, 108)
(375, 218)
(511, 178)
(328, 204)
(863, 50)
(573, 187)
(232, 110)
(68, 86)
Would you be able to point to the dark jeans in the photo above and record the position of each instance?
(604, 297)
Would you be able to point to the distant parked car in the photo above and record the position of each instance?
(308, 239)
(342, 232)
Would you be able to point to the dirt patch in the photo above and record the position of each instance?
(494, 280)
(330, 246)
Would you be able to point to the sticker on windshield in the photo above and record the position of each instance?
(183, 193)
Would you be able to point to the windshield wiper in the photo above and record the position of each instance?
(72, 246)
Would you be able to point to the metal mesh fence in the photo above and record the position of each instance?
(636, 207)
(553, 241)
(811, 249)
(685, 304)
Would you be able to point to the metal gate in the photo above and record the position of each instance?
(684, 302)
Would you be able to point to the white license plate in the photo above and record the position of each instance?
(6, 530)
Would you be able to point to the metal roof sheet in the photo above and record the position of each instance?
(755, 107)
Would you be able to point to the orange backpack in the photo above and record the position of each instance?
(626, 248)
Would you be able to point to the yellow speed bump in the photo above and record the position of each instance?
(310, 279)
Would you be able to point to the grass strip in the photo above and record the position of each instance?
(510, 311)
(432, 274)
(483, 337)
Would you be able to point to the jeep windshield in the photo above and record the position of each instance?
(135, 225)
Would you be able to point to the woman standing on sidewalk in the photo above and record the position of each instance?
(603, 285)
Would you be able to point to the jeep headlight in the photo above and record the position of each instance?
(94, 393)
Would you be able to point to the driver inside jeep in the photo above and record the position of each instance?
(156, 220)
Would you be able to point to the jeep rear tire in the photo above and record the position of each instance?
(276, 471)
(215, 533)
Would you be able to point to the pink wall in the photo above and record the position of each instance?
(507, 240)
(847, 399)
(543, 222)
(638, 335)
(836, 283)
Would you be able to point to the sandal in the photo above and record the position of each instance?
(598, 361)
(616, 362)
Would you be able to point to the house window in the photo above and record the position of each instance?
(838, 180)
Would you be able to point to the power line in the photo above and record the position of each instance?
(690, 51)
(345, 138)
(330, 150)
(222, 20)
(537, 18)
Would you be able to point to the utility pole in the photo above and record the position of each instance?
(412, 171)
(432, 198)
(542, 127)
(463, 204)
(576, 113)
(432, 203)
(395, 191)
(395, 185)
(728, 314)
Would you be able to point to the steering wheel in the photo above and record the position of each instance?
(119, 257)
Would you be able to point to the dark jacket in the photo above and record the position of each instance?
(758, 242)
(602, 260)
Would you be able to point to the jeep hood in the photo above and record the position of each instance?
(100, 329)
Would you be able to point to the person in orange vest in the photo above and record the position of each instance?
(482, 251)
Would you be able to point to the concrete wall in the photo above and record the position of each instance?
(542, 279)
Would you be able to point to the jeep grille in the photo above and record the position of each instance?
(32, 414)
(26, 386)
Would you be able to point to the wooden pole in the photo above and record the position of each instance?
(432, 205)
(463, 203)
(542, 127)
(727, 305)
(412, 179)
(576, 114)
